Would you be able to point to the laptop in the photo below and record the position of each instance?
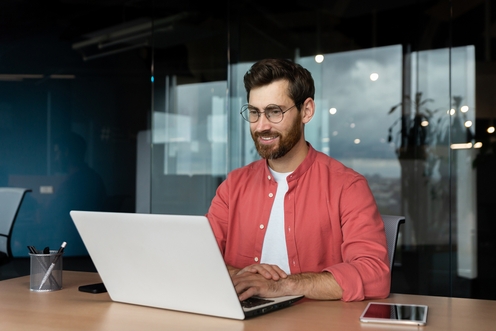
(165, 261)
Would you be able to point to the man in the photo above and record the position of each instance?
(297, 221)
(82, 189)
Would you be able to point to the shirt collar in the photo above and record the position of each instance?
(302, 168)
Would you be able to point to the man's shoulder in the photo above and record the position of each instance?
(333, 165)
(248, 171)
(330, 170)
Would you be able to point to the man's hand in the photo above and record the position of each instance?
(249, 283)
(269, 271)
(267, 280)
(256, 279)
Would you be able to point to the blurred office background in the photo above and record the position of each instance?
(133, 106)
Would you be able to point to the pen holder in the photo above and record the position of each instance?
(44, 277)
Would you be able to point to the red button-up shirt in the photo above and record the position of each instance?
(331, 223)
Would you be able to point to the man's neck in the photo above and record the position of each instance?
(290, 161)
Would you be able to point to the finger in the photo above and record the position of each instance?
(255, 269)
(251, 291)
(262, 270)
(269, 271)
(254, 284)
(280, 273)
(248, 285)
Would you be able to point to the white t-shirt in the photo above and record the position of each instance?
(274, 250)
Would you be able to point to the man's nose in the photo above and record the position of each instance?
(263, 123)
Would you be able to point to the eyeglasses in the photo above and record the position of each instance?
(274, 113)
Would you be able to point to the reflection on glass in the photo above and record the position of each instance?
(189, 144)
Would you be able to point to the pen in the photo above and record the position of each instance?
(32, 250)
(49, 271)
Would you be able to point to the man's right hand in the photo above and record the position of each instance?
(268, 271)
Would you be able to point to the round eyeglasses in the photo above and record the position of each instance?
(274, 113)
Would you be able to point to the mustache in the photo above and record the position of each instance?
(266, 133)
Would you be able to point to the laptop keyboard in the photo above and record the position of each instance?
(253, 302)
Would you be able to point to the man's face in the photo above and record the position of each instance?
(274, 140)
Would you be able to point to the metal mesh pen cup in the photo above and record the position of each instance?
(43, 276)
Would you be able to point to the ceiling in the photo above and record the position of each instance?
(93, 29)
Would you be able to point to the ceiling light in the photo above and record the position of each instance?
(319, 58)
(461, 146)
(374, 76)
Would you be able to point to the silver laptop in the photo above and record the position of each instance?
(164, 261)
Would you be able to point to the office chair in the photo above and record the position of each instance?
(10, 202)
(392, 226)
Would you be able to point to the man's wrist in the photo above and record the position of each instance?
(319, 286)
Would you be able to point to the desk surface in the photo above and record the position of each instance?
(69, 309)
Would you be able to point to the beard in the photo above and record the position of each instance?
(286, 141)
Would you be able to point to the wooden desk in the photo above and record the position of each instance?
(69, 309)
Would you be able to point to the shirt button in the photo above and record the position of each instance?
(262, 226)
(268, 177)
(271, 195)
(256, 259)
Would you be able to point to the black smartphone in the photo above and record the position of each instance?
(93, 288)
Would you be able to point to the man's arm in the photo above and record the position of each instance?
(269, 281)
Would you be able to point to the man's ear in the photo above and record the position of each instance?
(307, 110)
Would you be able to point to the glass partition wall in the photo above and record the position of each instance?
(396, 101)
(403, 93)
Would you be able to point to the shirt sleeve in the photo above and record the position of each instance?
(364, 272)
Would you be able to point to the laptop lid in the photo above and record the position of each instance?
(164, 261)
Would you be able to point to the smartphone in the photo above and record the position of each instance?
(394, 313)
(93, 288)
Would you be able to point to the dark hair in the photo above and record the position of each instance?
(264, 72)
